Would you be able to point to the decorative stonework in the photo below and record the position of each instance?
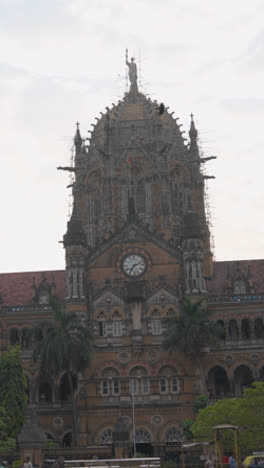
(124, 357)
(157, 420)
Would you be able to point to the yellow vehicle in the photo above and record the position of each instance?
(257, 459)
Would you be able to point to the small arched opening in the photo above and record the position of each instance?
(245, 329)
(258, 329)
(221, 326)
(243, 379)
(218, 382)
(233, 330)
(67, 440)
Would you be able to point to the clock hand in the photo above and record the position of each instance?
(133, 266)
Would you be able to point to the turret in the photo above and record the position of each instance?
(75, 246)
(77, 139)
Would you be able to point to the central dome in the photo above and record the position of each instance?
(136, 152)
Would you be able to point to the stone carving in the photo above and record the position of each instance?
(132, 70)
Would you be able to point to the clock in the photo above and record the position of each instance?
(134, 265)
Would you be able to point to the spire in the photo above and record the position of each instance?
(193, 135)
(77, 139)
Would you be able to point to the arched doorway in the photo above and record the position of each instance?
(258, 329)
(233, 331)
(245, 329)
(67, 440)
(221, 325)
(218, 381)
(243, 378)
(143, 440)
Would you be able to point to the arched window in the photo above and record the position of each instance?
(178, 191)
(117, 325)
(258, 328)
(243, 378)
(110, 384)
(245, 329)
(233, 330)
(13, 336)
(168, 382)
(139, 382)
(102, 325)
(67, 440)
(137, 189)
(173, 436)
(142, 436)
(156, 323)
(106, 437)
(221, 326)
(218, 383)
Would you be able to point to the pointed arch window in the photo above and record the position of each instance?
(178, 191)
(137, 189)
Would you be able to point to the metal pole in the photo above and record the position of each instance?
(133, 419)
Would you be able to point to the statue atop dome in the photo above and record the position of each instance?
(132, 71)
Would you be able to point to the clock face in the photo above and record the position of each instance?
(134, 265)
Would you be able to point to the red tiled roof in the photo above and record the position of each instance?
(251, 269)
(15, 288)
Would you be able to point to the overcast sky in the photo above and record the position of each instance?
(64, 60)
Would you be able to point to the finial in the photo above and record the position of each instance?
(193, 133)
(77, 139)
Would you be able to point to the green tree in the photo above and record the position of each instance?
(191, 331)
(7, 443)
(187, 429)
(246, 412)
(13, 390)
(66, 346)
(200, 403)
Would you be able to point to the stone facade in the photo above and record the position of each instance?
(137, 242)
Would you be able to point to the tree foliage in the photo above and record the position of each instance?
(191, 331)
(66, 346)
(187, 429)
(200, 403)
(7, 444)
(246, 412)
(13, 391)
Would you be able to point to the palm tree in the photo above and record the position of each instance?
(66, 345)
(191, 331)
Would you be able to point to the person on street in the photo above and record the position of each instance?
(27, 463)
